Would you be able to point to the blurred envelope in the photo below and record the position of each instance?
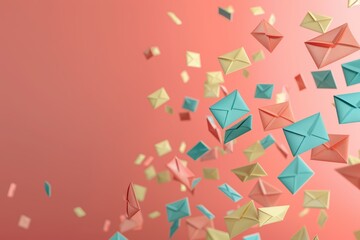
(197, 227)
(205, 211)
(212, 154)
(351, 72)
(336, 150)
(213, 234)
(230, 192)
(158, 98)
(348, 107)
(211, 90)
(351, 173)
(316, 22)
(229, 109)
(332, 46)
(193, 59)
(238, 129)
(132, 204)
(226, 12)
(181, 173)
(133, 223)
(214, 78)
(276, 116)
(255, 151)
(177, 210)
(302, 234)
(118, 236)
(249, 172)
(265, 194)
(324, 79)
(306, 134)
(353, 3)
(316, 199)
(198, 150)
(234, 61)
(163, 177)
(269, 215)
(211, 173)
(163, 148)
(264, 91)
(322, 218)
(257, 11)
(267, 141)
(241, 219)
(267, 35)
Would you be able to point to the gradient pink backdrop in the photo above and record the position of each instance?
(73, 93)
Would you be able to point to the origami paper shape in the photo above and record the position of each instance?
(249, 172)
(213, 129)
(254, 151)
(316, 199)
(283, 96)
(181, 173)
(316, 237)
(276, 116)
(258, 56)
(234, 61)
(184, 76)
(300, 82)
(302, 234)
(211, 173)
(230, 192)
(351, 173)
(267, 141)
(177, 210)
(332, 46)
(265, 194)
(212, 154)
(193, 59)
(211, 90)
(47, 187)
(140, 192)
(351, 72)
(169, 110)
(195, 182)
(197, 227)
(267, 35)
(241, 219)
(348, 107)
(213, 234)
(118, 236)
(264, 91)
(79, 212)
(214, 78)
(132, 204)
(151, 52)
(316, 22)
(158, 98)
(190, 104)
(174, 227)
(353, 3)
(269, 215)
(228, 148)
(256, 11)
(306, 134)
(184, 116)
(150, 172)
(226, 12)
(238, 129)
(224, 90)
(229, 109)
(336, 150)
(198, 150)
(162, 148)
(11, 191)
(255, 236)
(324, 79)
(295, 175)
(205, 211)
(174, 18)
(182, 147)
(322, 218)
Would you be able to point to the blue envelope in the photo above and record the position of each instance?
(230, 192)
(255, 236)
(348, 107)
(178, 210)
(205, 211)
(229, 109)
(351, 72)
(198, 150)
(306, 134)
(324, 79)
(118, 236)
(238, 129)
(295, 175)
(190, 104)
(267, 141)
(195, 182)
(174, 227)
(264, 91)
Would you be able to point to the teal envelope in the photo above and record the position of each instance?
(324, 79)
(348, 107)
(118, 236)
(351, 72)
(238, 129)
(178, 210)
(306, 134)
(198, 150)
(264, 91)
(190, 104)
(174, 227)
(195, 182)
(229, 109)
(267, 141)
(205, 211)
(255, 236)
(47, 188)
(230, 192)
(295, 175)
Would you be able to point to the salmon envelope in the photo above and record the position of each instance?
(265, 194)
(276, 116)
(181, 173)
(269, 215)
(197, 227)
(267, 35)
(335, 150)
(351, 173)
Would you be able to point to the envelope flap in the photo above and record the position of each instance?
(200, 223)
(352, 100)
(264, 87)
(352, 66)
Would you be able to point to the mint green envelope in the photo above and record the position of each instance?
(351, 72)
(118, 236)
(324, 79)
(190, 104)
(267, 141)
(205, 211)
(295, 175)
(229, 109)
(238, 129)
(348, 107)
(198, 150)
(230, 192)
(174, 227)
(177, 210)
(264, 91)
(306, 134)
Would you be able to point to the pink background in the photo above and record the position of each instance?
(73, 90)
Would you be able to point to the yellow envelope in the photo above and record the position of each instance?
(211, 173)
(193, 59)
(258, 56)
(316, 199)
(214, 78)
(234, 61)
(211, 90)
(150, 172)
(302, 234)
(158, 98)
(353, 3)
(357, 235)
(169, 110)
(255, 151)
(257, 11)
(241, 219)
(316, 22)
(272, 19)
(322, 218)
(174, 18)
(163, 148)
(214, 234)
(163, 177)
(184, 76)
(140, 192)
(269, 215)
(249, 172)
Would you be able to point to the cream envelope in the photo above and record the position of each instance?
(255, 151)
(302, 234)
(214, 234)
(211, 90)
(257, 11)
(158, 98)
(249, 172)
(193, 59)
(174, 18)
(214, 78)
(269, 215)
(234, 61)
(316, 22)
(353, 3)
(164, 177)
(258, 56)
(163, 148)
(181, 173)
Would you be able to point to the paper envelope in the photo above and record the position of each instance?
(193, 59)
(302, 234)
(258, 56)
(234, 61)
(351, 173)
(190, 104)
(267, 35)
(132, 204)
(213, 234)
(158, 98)
(255, 151)
(353, 3)
(336, 150)
(162, 148)
(164, 177)
(174, 227)
(212, 154)
(295, 175)
(177, 210)
(118, 236)
(230, 192)
(265, 194)
(324, 79)
(300, 82)
(351, 72)
(198, 150)
(276, 116)
(306, 134)
(226, 12)
(211, 90)
(316, 22)
(257, 11)
(197, 227)
(211, 173)
(241, 219)
(213, 129)
(269, 215)
(267, 141)
(213, 78)
(205, 211)
(316, 199)
(264, 91)
(357, 235)
(249, 172)
(238, 129)
(140, 192)
(181, 173)
(348, 107)
(332, 46)
(133, 223)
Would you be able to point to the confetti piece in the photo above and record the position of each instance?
(300, 82)
(185, 76)
(258, 56)
(256, 11)
(185, 116)
(24, 222)
(11, 191)
(272, 19)
(281, 147)
(154, 214)
(205, 211)
(47, 188)
(211, 173)
(246, 73)
(183, 188)
(322, 218)
(140, 192)
(79, 212)
(174, 18)
(158, 98)
(152, 52)
(118, 236)
(182, 147)
(163, 177)
(224, 90)
(162, 148)
(316, 22)
(169, 110)
(226, 12)
(237, 56)
(106, 225)
(283, 96)
(193, 59)
(148, 161)
(304, 212)
(139, 159)
(150, 172)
